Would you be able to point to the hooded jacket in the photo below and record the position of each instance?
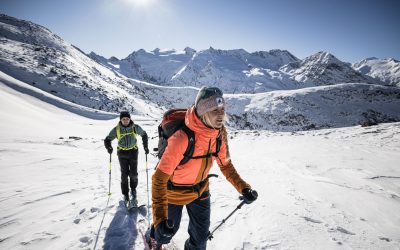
(192, 172)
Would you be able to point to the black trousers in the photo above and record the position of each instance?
(128, 162)
(199, 220)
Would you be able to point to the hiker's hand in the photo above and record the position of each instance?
(107, 145)
(164, 231)
(249, 195)
(110, 149)
(146, 150)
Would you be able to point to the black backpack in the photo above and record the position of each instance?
(174, 120)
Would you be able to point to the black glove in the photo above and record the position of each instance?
(107, 145)
(164, 231)
(110, 150)
(146, 150)
(249, 195)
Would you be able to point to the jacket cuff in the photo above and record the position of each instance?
(159, 196)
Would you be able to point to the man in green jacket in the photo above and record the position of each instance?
(127, 151)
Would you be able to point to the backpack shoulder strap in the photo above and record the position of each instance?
(118, 130)
(190, 148)
(219, 143)
(134, 130)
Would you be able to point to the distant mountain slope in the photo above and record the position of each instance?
(323, 68)
(236, 71)
(32, 54)
(339, 105)
(35, 93)
(231, 70)
(385, 70)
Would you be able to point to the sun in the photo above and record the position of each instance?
(140, 3)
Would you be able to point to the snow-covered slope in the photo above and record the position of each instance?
(24, 88)
(323, 68)
(317, 107)
(325, 189)
(33, 54)
(385, 70)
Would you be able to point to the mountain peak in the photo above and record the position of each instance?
(324, 57)
(156, 51)
(189, 51)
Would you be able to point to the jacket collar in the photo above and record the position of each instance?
(130, 124)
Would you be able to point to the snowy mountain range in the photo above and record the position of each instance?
(235, 71)
(264, 90)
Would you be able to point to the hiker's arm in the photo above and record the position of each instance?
(112, 135)
(173, 154)
(145, 138)
(107, 141)
(227, 168)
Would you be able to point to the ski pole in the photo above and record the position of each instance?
(210, 235)
(109, 178)
(148, 199)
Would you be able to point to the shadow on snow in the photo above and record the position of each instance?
(122, 232)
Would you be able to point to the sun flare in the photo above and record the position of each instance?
(140, 3)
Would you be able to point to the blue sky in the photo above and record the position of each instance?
(351, 30)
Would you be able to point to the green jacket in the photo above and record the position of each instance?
(127, 136)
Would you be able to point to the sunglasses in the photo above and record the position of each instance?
(210, 92)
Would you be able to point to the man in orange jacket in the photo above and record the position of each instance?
(175, 186)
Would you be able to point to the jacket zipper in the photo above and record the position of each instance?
(205, 167)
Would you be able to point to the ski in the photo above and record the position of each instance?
(144, 230)
(133, 205)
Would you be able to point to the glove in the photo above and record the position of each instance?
(110, 149)
(107, 145)
(146, 150)
(249, 195)
(164, 232)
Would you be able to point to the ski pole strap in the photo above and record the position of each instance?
(194, 188)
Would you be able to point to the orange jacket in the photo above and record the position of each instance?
(192, 172)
